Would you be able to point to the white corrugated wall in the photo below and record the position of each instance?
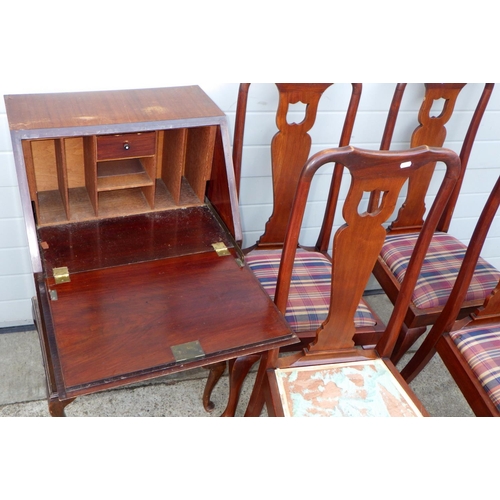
(16, 286)
(483, 168)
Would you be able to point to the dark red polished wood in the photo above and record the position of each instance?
(129, 317)
(83, 109)
(129, 190)
(124, 240)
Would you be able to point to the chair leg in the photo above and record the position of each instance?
(261, 385)
(419, 360)
(238, 371)
(407, 337)
(216, 372)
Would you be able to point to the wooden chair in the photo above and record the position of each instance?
(470, 347)
(445, 252)
(333, 376)
(290, 149)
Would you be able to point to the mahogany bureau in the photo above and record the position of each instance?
(133, 227)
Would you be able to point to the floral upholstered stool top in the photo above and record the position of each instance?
(354, 389)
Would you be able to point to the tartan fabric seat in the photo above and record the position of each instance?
(480, 347)
(309, 296)
(439, 270)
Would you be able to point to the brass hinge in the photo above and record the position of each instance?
(61, 275)
(221, 249)
(188, 351)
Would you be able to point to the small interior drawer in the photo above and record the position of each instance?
(115, 147)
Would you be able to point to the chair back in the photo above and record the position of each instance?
(357, 243)
(431, 131)
(290, 147)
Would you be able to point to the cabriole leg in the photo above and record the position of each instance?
(56, 407)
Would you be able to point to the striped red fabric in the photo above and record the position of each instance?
(309, 296)
(439, 270)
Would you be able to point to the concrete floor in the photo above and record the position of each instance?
(22, 387)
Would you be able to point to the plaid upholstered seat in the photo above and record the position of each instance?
(480, 347)
(439, 270)
(309, 296)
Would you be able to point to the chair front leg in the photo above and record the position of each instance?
(407, 337)
(238, 371)
(261, 389)
(419, 360)
(257, 398)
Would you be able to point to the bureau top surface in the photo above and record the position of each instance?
(83, 109)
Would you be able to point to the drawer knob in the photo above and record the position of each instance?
(126, 146)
